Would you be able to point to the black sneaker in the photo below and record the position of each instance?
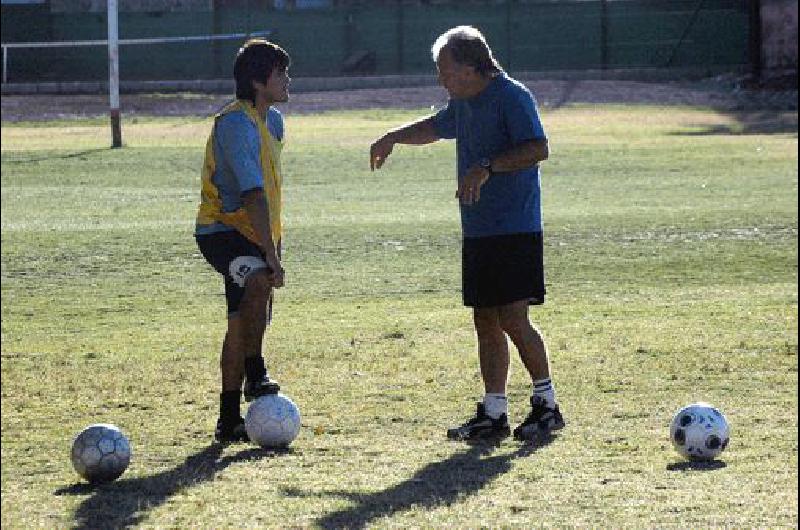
(541, 421)
(481, 427)
(235, 432)
(260, 387)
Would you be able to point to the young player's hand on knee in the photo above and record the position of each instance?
(276, 277)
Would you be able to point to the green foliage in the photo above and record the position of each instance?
(671, 255)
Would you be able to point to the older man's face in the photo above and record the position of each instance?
(459, 80)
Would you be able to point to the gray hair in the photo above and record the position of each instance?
(468, 47)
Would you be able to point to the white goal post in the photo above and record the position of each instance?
(113, 74)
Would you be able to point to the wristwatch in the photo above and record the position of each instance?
(486, 164)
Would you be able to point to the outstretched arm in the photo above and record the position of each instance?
(420, 132)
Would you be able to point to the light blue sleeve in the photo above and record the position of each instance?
(240, 144)
(522, 116)
(444, 121)
(275, 123)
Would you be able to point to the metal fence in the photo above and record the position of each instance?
(362, 38)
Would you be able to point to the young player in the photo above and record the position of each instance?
(238, 228)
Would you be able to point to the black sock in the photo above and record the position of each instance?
(229, 412)
(254, 369)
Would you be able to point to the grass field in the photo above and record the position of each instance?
(671, 251)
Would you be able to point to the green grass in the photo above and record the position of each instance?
(671, 253)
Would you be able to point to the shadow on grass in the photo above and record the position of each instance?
(437, 484)
(126, 503)
(761, 122)
(76, 154)
(700, 466)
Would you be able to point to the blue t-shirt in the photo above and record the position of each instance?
(237, 153)
(499, 118)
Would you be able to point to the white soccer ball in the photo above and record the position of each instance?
(101, 453)
(699, 432)
(272, 421)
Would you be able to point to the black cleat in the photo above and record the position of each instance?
(481, 427)
(236, 432)
(260, 387)
(541, 421)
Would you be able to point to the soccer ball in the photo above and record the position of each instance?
(272, 421)
(101, 453)
(699, 432)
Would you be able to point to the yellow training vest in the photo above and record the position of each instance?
(210, 210)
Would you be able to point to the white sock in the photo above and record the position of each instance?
(495, 405)
(543, 388)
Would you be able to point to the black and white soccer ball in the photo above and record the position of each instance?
(699, 432)
(272, 421)
(101, 453)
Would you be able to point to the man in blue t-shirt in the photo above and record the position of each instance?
(500, 142)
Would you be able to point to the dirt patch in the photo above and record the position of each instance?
(721, 93)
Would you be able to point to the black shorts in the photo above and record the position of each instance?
(499, 270)
(235, 257)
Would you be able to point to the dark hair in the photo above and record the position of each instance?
(256, 61)
(468, 47)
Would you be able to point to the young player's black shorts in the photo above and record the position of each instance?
(235, 257)
(499, 270)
